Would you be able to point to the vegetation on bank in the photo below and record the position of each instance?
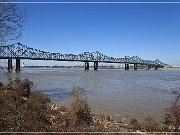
(23, 109)
(110, 66)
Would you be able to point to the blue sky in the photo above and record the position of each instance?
(151, 31)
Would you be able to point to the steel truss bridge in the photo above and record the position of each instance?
(19, 51)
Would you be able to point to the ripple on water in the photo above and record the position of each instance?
(57, 93)
(118, 92)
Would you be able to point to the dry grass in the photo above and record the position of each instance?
(75, 118)
(23, 109)
(135, 124)
(171, 121)
(150, 125)
(172, 115)
(79, 109)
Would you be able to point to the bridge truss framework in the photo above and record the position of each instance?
(19, 51)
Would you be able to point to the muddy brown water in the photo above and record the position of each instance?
(121, 94)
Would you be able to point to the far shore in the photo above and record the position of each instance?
(100, 67)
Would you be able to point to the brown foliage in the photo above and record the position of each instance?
(22, 110)
(79, 109)
(150, 125)
(135, 124)
(172, 115)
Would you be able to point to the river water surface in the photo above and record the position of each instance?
(121, 94)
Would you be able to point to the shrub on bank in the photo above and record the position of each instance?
(172, 115)
(79, 108)
(22, 109)
(171, 122)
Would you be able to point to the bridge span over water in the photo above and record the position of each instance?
(19, 51)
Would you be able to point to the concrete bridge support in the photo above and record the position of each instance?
(10, 65)
(18, 67)
(135, 66)
(86, 66)
(95, 65)
(126, 66)
(156, 67)
(148, 67)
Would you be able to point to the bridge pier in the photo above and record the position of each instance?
(135, 66)
(95, 65)
(126, 66)
(148, 67)
(10, 65)
(156, 67)
(18, 68)
(86, 66)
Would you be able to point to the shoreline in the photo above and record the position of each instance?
(34, 107)
(91, 67)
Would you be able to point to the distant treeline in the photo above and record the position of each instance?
(80, 66)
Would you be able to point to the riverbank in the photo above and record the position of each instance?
(172, 68)
(23, 109)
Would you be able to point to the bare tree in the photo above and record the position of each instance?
(11, 21)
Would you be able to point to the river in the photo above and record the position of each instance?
(121, 94)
